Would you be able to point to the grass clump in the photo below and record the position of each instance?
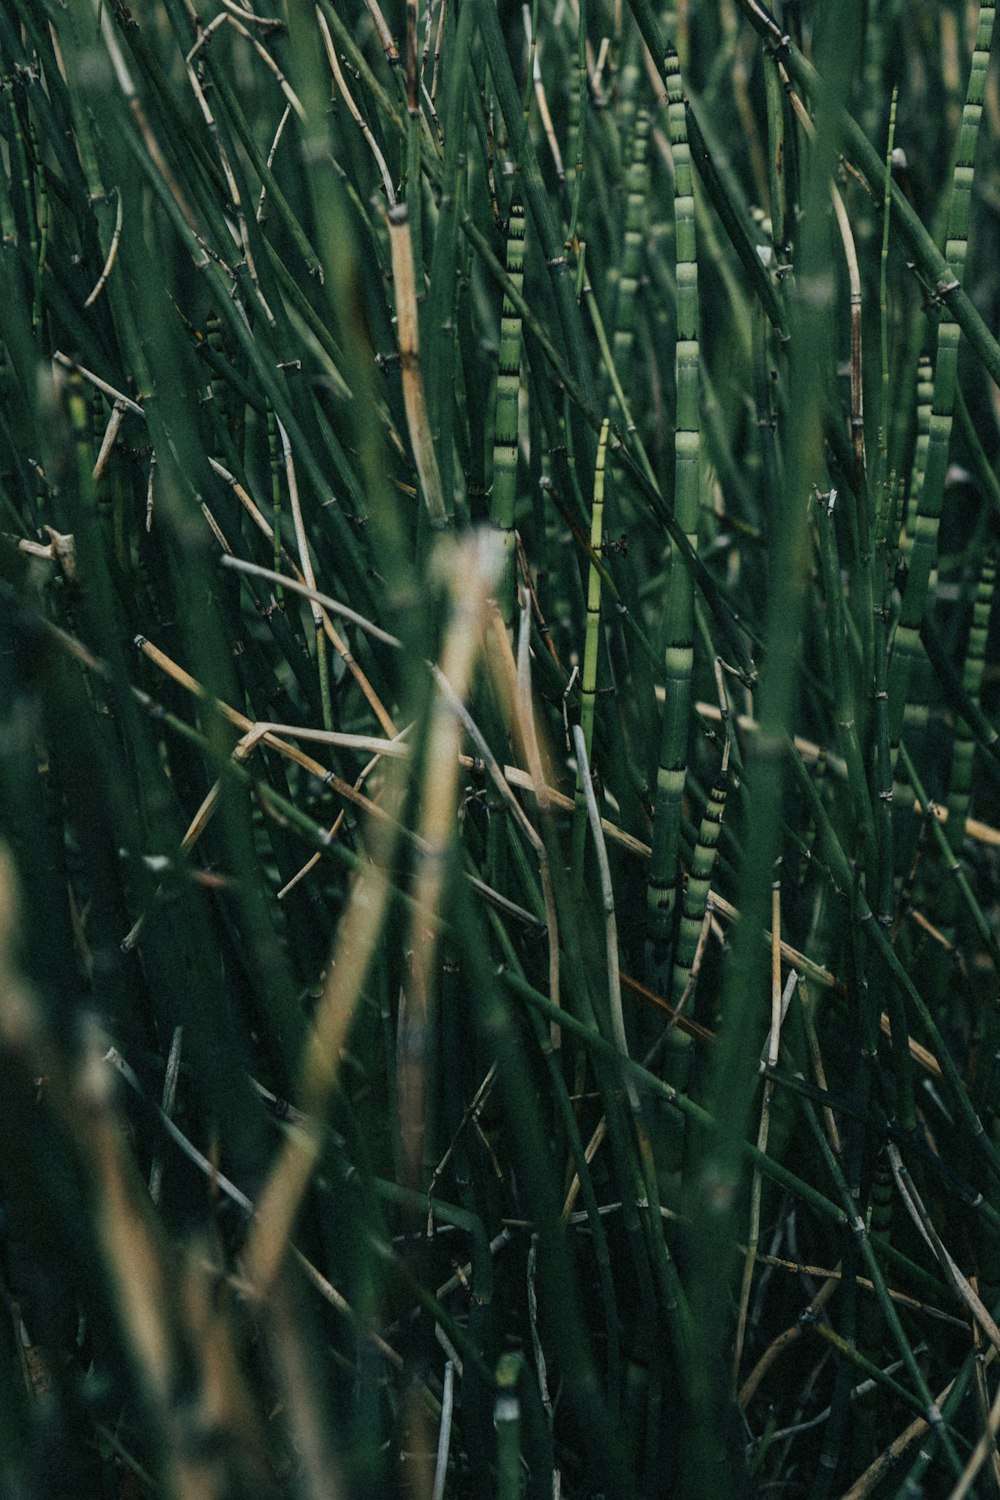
(498, 811)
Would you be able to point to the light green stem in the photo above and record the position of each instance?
(591, 648)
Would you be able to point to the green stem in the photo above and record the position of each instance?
(679, 653)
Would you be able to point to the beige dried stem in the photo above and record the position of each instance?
(384, 34)
(336, 640)
(470, 576)
(515, 691)
(141, 1281)
(355, 113)
(886, 1461)
(272, 152)
(235, 22)
(318, 1474)
(220, 1183)
(333, 829)
(408, 333)
(124, 80)
(358, 932)
(470, 571)
(232, 188)
(786, 1340)
(157, 1327)
(954, 1275)
(984, 1449)
(273, 740)
(112, 255)
(268, 736)
(539, 782)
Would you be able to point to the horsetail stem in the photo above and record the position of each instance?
(697, 889)
(507, 1420)
(576, 142)
(960, 783)
(845, 707)
(882, 473)
(424, 455)
(679, 654)
(636, 227)
(591, 650)
(931, 497)
(924, 403)
(777, 169)
(691, 935)
(504, 493)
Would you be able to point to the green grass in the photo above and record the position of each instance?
(498, 749)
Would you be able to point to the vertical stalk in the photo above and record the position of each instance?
(907, 648)
(636, 234)
(844, 705)
(276, 501)
(505, 437)
(699, 884)
(882, 474)
(305, 561)
(961, 782)
(445, 282)
(409, 354)
(591, 649)
(469, 591)
(679, 654)
(925, 401)
(677, 1047)
(523, 151)
(763, 1129)
(733, 1067)
(507, 1419)
(578, 99)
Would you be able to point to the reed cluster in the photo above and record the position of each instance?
(499, 816)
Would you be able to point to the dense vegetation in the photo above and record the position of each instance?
(498, 776)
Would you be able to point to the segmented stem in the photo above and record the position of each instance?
(925, 400)
(625, 109)
(960, 785)
(504, 495)
(679, 656)
(696, 892)
(591, 647)
(577, 122)
(928, 517)
(960, 790)
(507, 1420)
(274, 464)
(636, 234)
(404, 280)
(881, 478)
(776, 162)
